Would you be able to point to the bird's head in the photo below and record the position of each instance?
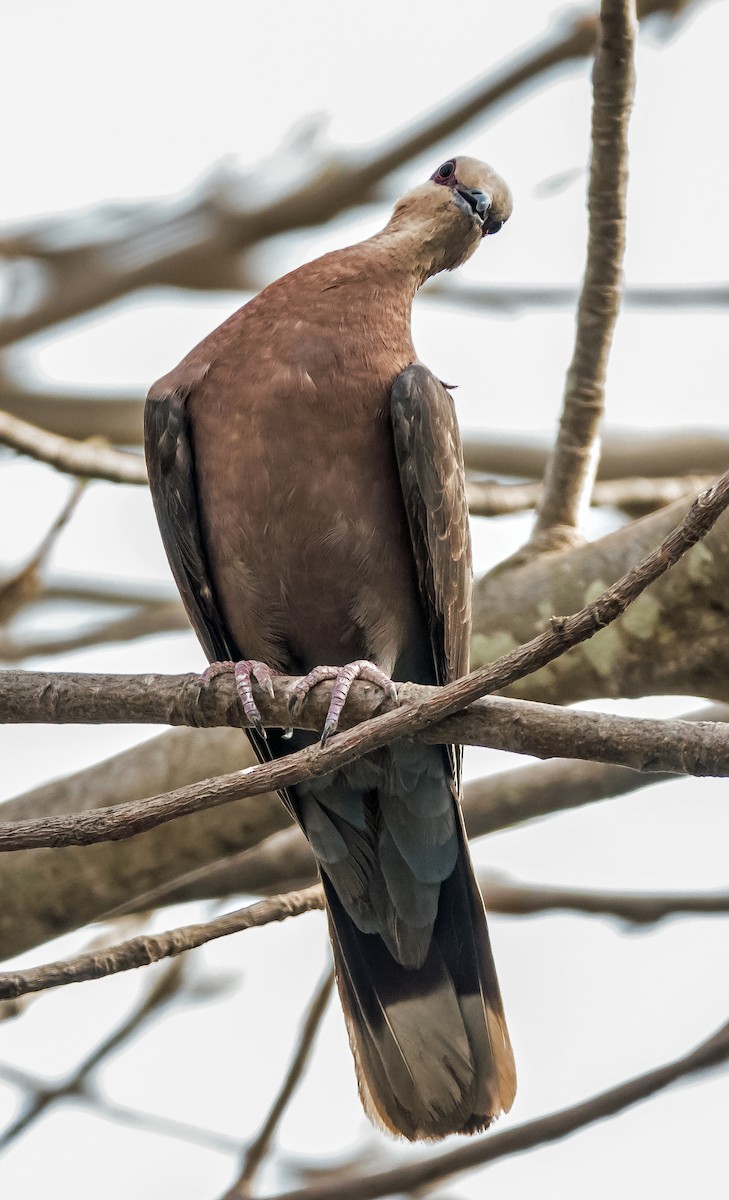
(462, 202)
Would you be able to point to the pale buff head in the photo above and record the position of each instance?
(446, 218)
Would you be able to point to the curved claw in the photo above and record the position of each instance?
(244, 672)
(343, 678)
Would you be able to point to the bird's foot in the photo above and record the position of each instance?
(343, 678)
(244, 672)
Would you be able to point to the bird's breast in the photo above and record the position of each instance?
(309, 547)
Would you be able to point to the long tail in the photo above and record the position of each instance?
(430, 1043)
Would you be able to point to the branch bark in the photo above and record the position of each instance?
(671, 642)
(150, 948)
(571, 470)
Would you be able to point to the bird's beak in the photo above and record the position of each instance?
(473, 201)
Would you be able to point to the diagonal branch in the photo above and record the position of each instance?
(122, 821)
(150, 948)
(25, 585)
(259, 1147)
(161, 992)
(572, 466)
(84, 459)
(712, 1053)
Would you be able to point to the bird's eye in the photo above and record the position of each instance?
(446, 170)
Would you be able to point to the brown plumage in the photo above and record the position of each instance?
(308, 480)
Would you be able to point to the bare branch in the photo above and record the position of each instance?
(571, 468)
(504, 895)
(633, 495)
(162, 990)
(542, 730)
(122, 821)
(150, 948)
(84, 459)
(25, 585)
(625, 453)
(145, 621)
(258, 1149)
(710, 1054)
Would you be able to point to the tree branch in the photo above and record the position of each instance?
(571, 468)
(162, 990)
(564, 632)
(512, 298)
(83, 459)
(633, 495)
(625, 453)
(150, 948)
(258, 1149)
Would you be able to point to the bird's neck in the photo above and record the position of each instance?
(413, 251)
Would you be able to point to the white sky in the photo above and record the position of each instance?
(142, 100)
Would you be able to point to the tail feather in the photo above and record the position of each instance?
(415, 1075)
(430, 1044)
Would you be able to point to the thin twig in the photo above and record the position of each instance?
(25, 585)
(511, 298)
(504, 895)
(122, 821)
(711, 1053)
(571, 469)
(162, 990)
(260, 1146)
